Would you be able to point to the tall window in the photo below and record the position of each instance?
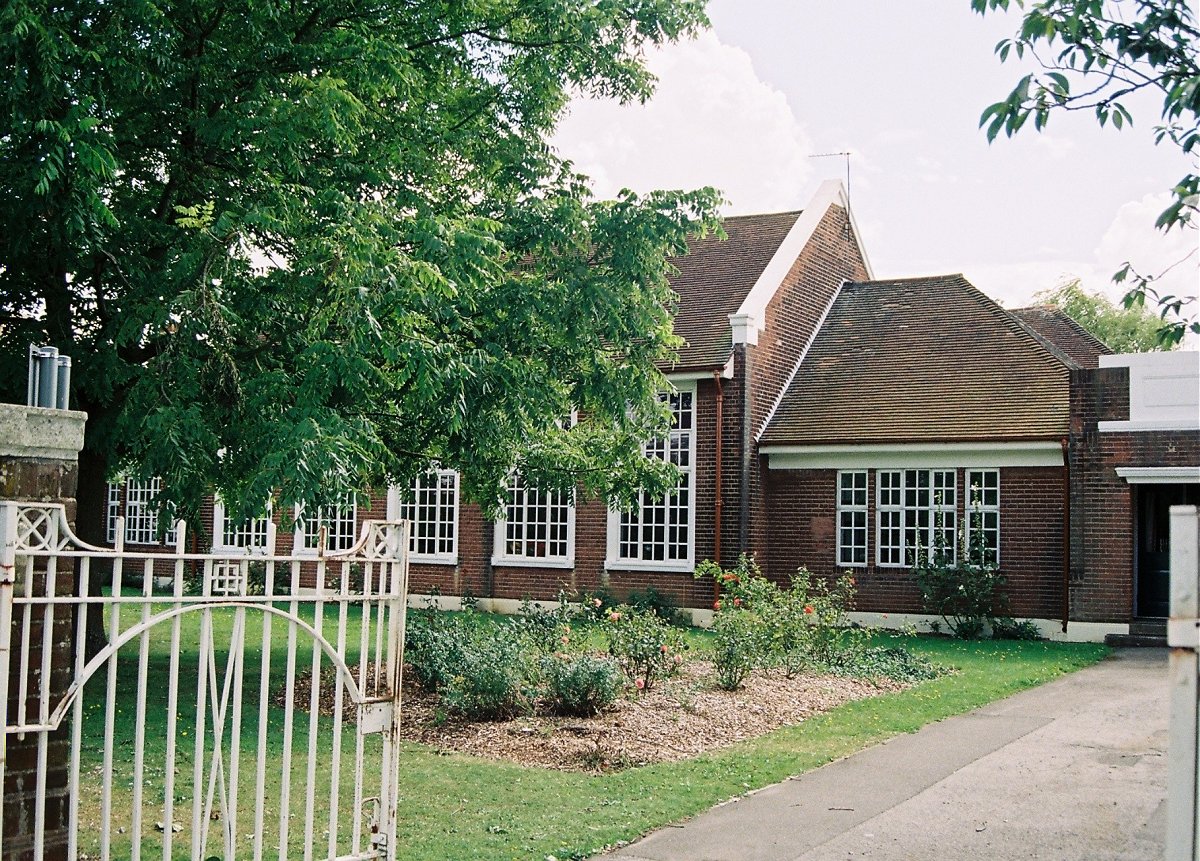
(340, 522)
(538, 525)
(433, 510)
(249, 535)
(114, 511)
(658, 531)
(852, 518)
(983, 512)
(915, 513)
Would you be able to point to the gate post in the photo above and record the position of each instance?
(1183, 636)
(39, 450)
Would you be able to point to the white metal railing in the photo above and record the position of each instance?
(195, 644)
(1183, 636)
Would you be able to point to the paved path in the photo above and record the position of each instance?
(1075, 769)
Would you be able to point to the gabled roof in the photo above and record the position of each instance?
(1062, 332)
(922, 360)
(722, 281)
(715, 276)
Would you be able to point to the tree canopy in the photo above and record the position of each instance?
(1122, 330)
(300, 248)
(1094, 55)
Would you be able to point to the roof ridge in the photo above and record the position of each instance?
(1071, 321)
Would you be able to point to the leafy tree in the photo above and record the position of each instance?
(1094, 54)
(1123, 330)
(308, 247)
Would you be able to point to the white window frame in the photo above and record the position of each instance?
(852, 511)
(614, 559)
(406, 507)
(899, 515)
(141, 517)
(255, 549)
(974, 478)
(337, 516)
(113, 512)
(549, 500)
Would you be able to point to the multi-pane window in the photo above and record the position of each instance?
(659, 529)
(249, 535)
(433, 510)
(983, 514)
(141, 513)
(537, 525)
(915, 514)
(113, 512)
(340, 522)
(852, 518)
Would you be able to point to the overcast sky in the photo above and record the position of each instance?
(900, 85)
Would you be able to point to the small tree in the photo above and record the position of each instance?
(1123, 330)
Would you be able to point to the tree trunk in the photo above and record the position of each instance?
(90, 518)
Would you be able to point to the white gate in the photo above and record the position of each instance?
(244, 707)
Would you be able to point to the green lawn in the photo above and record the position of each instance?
(459, 807)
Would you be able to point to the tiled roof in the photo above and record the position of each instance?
(1060, 330)
(715, 276)
(922, 360)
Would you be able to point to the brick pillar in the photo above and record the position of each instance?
(39, 450)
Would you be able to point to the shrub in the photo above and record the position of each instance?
(594, 605)
(433, 646)
(660, 604)
(580, 685)
(1006, 628)
(964, 592)
(802, 626)
(644, 646)
(544, 629)
(893, 663)
(493, 678)
(737, 646)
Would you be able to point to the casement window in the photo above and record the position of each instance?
(659, 532)
(538, 527)
(249, 536)
(915, 513)
(141, 515)
(433, 510)
(983, 513)
(340, 522)
(852, 518)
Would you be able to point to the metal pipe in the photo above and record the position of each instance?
(1066, 534)
(719, 503)
(744, 502)
(62, 383)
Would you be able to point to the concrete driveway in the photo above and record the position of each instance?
(1075, 769)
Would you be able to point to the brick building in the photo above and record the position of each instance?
(834, 422)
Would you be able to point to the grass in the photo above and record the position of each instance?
(460, 807)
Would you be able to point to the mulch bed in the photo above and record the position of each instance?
(677, 719)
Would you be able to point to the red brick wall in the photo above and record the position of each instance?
(802, 531)
(38, 480)
(831, 257)
(1102, 503)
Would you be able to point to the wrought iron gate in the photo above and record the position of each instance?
(243, 707)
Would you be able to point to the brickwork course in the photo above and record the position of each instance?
(53, 480)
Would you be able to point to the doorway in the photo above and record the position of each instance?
(1153, 543)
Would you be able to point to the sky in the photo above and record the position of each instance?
(745, 106)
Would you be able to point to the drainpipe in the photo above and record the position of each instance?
(719, 504)
(747, 418)
(1066, 534)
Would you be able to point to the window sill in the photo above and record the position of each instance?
(530, 562)
(432, 560)
(639, 565)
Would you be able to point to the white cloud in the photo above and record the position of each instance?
(711, 121)
(1130, 237)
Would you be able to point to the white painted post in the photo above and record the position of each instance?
(8, 574)
(1183, 636)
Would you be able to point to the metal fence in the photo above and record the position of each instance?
(1183, 637)
(236, 707)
